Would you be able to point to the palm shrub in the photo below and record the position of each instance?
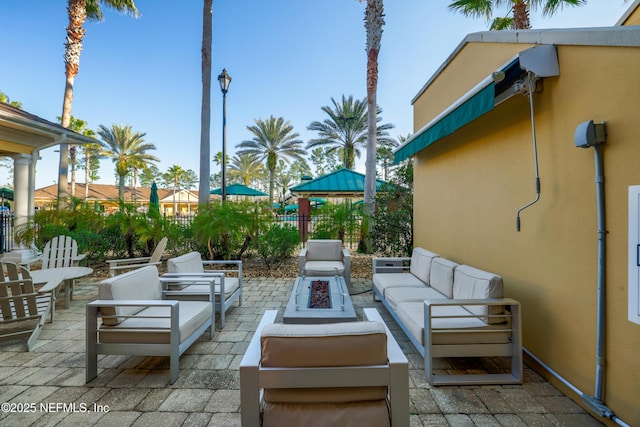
(228, 229)
(277, 244)
(337, 222)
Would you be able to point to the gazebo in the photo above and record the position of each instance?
(22, 136)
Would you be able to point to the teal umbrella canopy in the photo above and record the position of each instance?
(154, 200)
(239, 190)
(6, 193)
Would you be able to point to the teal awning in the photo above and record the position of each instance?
(474, 107)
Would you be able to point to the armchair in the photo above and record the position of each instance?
(136, 320)
(182, 271)
(61, 251)
(351, 373)
(325, 258)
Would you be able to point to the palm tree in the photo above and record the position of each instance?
(205, 112)
(79, 11)
(346, 129)
(78, 126)
(373, 23)
(127, 150)
(5, 99)
(179, 178)
(520, 9)
(273, 139)
(246, 168)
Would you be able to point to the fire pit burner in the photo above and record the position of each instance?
(319, 296)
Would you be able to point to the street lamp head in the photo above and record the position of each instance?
(224, 79)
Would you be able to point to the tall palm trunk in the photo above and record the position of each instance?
(521, 15)
(77, 12)
(205, 113)
(86, 173)
(374, 20)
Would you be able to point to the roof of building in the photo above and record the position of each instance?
(343, 182)
(25, 132)
(621, 36)
(104, 192)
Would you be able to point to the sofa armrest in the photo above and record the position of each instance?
(234, 262)
(249, 383)
(302, 259)
(390, 264)
(115, 262)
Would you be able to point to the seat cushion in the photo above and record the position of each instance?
(411, 314)
(397, 295)
(370, 414)
(441, 275)
(139, 284)
(231, 284)
(421, 263)
(193, 314)
(324, 268)
(187, 263)
(385, 281)
(324, 250)
(472, 283)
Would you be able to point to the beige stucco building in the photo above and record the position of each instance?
(477, 169)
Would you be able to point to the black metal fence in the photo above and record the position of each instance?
(309, 226)
(6, 231)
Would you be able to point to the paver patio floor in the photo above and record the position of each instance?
(48, 383)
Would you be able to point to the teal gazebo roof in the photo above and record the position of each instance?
(340, 183)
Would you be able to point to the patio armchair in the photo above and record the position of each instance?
(23, 311)
(137, 320)
(117, 266)
(351, 373)
(185, 275)
(61, 251)
(324, 257)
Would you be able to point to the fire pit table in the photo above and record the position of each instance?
(319, 300)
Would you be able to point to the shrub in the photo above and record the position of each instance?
(277, 244)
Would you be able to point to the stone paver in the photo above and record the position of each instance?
(135, 390)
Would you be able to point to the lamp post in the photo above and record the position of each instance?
(224, 79)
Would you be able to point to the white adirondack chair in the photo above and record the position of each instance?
(61, 251)
(23, 311)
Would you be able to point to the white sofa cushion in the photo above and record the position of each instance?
(140, 284)
(441, 277)
(187, 263)
(136, 330)
(472, 283)
(385, 281)
(421, 263)
(411, 314)
(398, 295)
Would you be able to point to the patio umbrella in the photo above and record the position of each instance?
(239, 190)
(6, 193)
(154, 201)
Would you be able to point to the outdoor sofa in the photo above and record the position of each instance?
(335, 374)
(451, 310)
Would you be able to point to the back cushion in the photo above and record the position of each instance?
(324, 345)
(472, 283)
(139, 284)
(324, 250)
(441, 277)
(331, 344)
(421, 263)
(187, 263)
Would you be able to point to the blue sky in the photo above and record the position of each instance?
(286, 58)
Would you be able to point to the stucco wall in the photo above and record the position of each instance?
(469, 186)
